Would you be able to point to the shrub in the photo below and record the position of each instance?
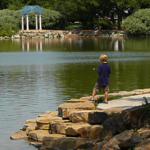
(138, 23)
(7, 30)
(99, 23)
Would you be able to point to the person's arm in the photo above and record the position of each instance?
(99, 70)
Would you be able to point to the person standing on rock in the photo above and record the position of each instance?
(103, 80)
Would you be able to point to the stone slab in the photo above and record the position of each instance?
(18, 135)
(62, 143)
(38, 135)
(125, 102)
(63, 109)
(43, 122)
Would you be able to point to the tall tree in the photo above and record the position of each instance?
(4, 4)
(79, 10)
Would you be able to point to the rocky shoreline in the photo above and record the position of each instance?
(78, 124)
(24, 34)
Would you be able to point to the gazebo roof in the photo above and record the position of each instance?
(28, 9)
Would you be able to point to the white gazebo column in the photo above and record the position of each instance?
(22, 22)
(27, 22)
(36, 22)
(40, 22)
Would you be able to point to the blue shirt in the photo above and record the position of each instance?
(103, 71)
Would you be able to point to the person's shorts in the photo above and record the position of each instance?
(97, 88)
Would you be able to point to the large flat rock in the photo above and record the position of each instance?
(59, 127)
(18, 135)
(83, 130)
(93, 116)
(38, 135)
(62, 143)
(63, 109)
(125, 102)
(43, 122)
(49, 114)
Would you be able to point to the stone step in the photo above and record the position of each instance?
(63, 109)
(49, 113)
(83, 130)
(63, 143)
(38, 135)
(59, 127)
(94, 116)
(81, 100)
(18, 135)
(43, 122)
(29, 127)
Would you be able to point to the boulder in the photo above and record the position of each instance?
(65, 143)
(113, 112)
(132, 141)
(131, 118)
(99, 145)
(87, 146)
(91, 132)
(18, 135)
(144, 132)
(63, 109)
(145, 145)
(94, 116)
(84, 130)
(79, 116)
(124, 135)
(38, 135)
(59, 126)
(16, 36)
(36, 144)
(43, 122)
(29, 127)
(46, 35)
(111, 145)
(97, 117)
(109, 129)
(76, 129)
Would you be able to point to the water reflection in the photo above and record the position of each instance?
(36, 44)
(80, 44)
(71, 44)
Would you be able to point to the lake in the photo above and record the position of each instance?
(37, 75)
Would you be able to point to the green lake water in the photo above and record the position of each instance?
(36, 75)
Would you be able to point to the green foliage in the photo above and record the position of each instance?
(138, 23)
(73, 25)
(132, 148)
(8, 30)
(50, 19)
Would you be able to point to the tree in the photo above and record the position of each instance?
(138, 23)
(84, 10)
(4, 4)
(79, 10)
(119, 7)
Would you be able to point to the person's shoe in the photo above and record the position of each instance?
(104, 102)
(90, 99)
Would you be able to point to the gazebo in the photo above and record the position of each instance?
(28, 9)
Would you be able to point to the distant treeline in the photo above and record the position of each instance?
(84, 11)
